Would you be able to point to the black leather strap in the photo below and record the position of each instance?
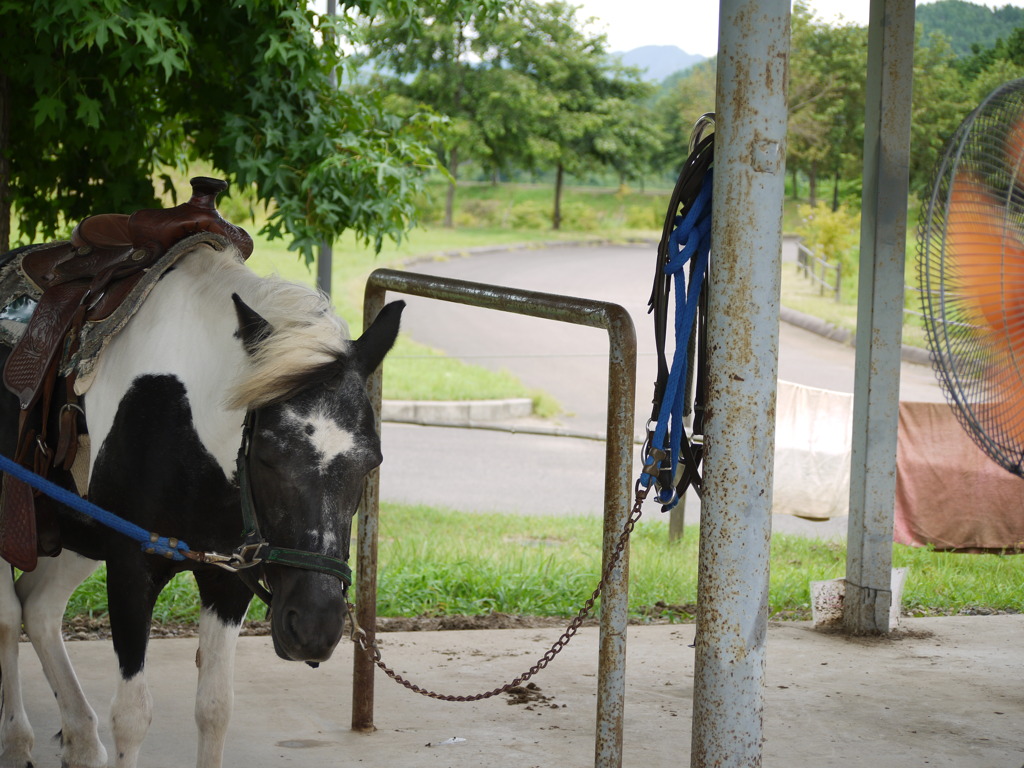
(687, 187)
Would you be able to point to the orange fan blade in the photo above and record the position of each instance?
(987, 256)
(989, 259)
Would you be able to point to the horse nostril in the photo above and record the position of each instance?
(291, 619)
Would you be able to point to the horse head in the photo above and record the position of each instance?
(309, 449)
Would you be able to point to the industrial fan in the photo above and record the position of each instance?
(971, 268)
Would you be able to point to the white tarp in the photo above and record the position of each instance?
(813, 429)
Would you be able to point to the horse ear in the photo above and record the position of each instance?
(252, 328)
(378, 339)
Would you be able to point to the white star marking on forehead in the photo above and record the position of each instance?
(329, 441)
(323, 540)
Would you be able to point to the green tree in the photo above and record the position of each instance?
(990, 67)
(941, 100)
(826, 100)
(967, 27)
(597, 119)
(685, 97)
(434, 68)
(95, 95)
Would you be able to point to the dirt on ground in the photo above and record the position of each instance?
(98, 627)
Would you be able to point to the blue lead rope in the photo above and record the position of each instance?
(690, 241)
(151, 542)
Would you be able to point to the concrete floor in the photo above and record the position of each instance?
(947, 692)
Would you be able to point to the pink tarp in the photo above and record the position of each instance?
(948, 492)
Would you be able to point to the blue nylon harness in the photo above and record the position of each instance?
(254, 551)
(151, 542)
(686, 240)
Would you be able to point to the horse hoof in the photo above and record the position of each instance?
(17, 762)
(95, 760)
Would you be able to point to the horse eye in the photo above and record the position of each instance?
(266, 453)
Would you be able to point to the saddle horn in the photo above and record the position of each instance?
(160, 228)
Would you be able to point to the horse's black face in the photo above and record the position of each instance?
(308, 457)
(308, 460)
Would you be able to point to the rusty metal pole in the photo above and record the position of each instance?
(368, 527)
(618, 491)
(743, 339)
(876, 389)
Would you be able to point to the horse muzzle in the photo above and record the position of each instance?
(308, 616)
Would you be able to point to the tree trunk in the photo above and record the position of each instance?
(556, 219)
(812, 182)
(796, 194)
(835, 193)
(449, 202)
(5, 163)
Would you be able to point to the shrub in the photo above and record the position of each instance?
(530, 215)
(833, 235)
(481, 213)
(578, 216)
(645, 216)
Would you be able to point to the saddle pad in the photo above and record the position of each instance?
(19, 297)
(97, 334)
(25, 371)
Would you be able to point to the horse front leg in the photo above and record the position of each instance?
(44, 596)
(225, 601)
(133, 584)
(15, 731)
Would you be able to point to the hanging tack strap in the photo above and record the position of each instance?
(686, 240)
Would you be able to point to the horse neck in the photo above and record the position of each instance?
(186, 329)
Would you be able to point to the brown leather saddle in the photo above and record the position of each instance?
(81, 280)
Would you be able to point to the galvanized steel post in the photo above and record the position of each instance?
(743, 338)
(879, 316)
(618, 484)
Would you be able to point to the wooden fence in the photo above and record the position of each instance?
(827, 276)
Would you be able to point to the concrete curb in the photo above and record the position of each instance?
(442, 412)
(481, 250)
(816, 325)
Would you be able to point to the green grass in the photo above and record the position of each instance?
(803, 295)
(438, 562)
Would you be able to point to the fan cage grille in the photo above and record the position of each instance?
(979, 358)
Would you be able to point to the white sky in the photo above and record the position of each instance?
(693, 24)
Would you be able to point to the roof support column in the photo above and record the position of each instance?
(743, 334)
(876, 392)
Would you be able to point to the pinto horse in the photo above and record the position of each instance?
(214, 351)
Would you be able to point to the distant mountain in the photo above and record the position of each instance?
(967, 24)
(659, 61)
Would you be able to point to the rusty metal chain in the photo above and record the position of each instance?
(371, 649)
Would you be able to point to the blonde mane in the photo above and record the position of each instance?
(306, 334)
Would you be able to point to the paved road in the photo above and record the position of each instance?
(570, 361)
(486, 470)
